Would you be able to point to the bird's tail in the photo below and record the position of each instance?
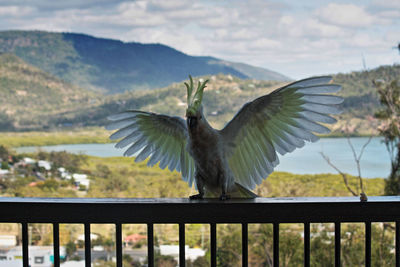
(242, 192)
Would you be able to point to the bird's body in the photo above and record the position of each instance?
(212, 173)
(232, 161)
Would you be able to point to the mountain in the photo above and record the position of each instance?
(29, 96)
(112, 66)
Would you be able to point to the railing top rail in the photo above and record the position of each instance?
(259, 200)
(183, 210)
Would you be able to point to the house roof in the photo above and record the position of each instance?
(134, 238)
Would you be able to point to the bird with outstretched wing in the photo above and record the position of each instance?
(232, 161)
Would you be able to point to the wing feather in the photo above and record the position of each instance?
(160, 138)
(278, 123)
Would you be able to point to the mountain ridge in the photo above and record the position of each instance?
(113, 66)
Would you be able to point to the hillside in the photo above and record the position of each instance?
(33, 99)
(225, 95)
(113, 66)
(361, 100)
(29, 96)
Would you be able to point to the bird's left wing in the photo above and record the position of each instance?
(278, 122)
(158, 137)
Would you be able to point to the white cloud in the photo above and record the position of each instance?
(349, 15)
(16, 11)
(294, 39)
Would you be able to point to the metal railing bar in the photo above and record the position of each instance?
(367, 244)
(280, 210)
(245, 244)
(118, 243)
(88, 255)
(337, 244)
(182, 262)
(213, 244)
(276, 244)
(56, 244)
(306, 244)
(397, 243)
(25, 251)
(150, 244)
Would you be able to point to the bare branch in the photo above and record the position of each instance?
(345, 180)
(357, 159)
(364, 146)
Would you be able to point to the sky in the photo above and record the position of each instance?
(295, 38)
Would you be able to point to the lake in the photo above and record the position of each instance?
(307, 160)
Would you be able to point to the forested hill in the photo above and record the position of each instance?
(361, 98)
(225, 95)
(112, 66)
(30, 96)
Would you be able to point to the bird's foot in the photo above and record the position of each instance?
(224, 197)
(198, 196)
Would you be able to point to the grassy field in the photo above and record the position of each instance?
(87, 135)
(74, 136)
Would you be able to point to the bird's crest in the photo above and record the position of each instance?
(194, 103)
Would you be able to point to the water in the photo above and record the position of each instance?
(307, 160)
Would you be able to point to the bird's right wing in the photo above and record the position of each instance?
(158, 137)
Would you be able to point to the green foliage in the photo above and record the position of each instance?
(4, 153)
(361, 99)
(49, 185)
(389, 115)
(6, 123)
(128, 261)
(71, 162)
(164, 260)
(282, 184)
(229, 245)
(70, 249)
(4, 165)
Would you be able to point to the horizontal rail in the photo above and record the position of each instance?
(211, 211)
(259, 210)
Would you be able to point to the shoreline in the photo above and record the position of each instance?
(94, 135)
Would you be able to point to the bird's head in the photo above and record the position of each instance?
(193, 111)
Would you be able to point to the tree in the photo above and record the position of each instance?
(6, 123)
(389, 115)
(70, 162)
(4, 153)
(70, 249)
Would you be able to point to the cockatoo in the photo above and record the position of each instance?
(232, 161)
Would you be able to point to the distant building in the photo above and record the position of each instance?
(133, 239)
(44, 164)
(190, 253)
(81, 179)
(8, 240)
(92, 237)
(4, 172)
(28, 161)
(39, 256)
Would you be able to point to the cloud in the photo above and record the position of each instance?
(295, 39)
(15, 11)
(348, 15)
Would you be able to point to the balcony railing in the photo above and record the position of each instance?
(335, 210)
